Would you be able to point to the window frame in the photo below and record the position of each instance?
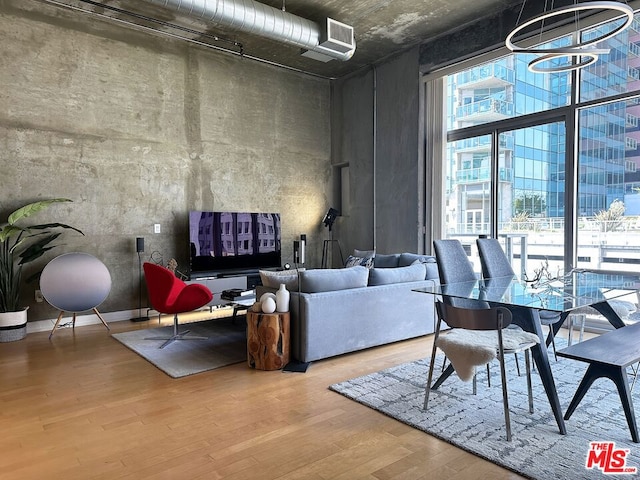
(436, 137)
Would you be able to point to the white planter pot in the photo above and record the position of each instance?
(13, 325)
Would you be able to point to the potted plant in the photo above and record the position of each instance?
(19, 246)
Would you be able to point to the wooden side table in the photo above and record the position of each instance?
(268, 340)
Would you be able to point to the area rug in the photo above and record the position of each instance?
(226, 344)
(476, 423)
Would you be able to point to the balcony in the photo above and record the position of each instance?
(483, 144)
(486, 76)
(476, 175)
(488, 110)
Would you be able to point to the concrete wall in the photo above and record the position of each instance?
(139, 129)
(377, 116)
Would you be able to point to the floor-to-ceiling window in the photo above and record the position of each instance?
(548, 162)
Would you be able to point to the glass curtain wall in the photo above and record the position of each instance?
(515, 156)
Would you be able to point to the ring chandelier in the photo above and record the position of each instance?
(583, 52)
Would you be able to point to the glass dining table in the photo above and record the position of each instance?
(525, 299)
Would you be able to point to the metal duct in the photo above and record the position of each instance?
(258, 19)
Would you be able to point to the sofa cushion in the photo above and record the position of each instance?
(385, 276)
(407, 259)
(432, 270)
(327, 280)
(273, 279)
(386, 261)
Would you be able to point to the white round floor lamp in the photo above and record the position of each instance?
(75, 282)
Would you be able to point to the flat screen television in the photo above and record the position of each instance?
(227, 243)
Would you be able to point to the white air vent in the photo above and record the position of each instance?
(337, 36)
(336, 39)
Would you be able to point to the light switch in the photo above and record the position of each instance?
(156, 228)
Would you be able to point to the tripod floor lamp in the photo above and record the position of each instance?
(327, 246)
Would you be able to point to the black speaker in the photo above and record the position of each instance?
(296, 252)
(139, 250)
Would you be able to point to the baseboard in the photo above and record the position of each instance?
(86, 319)
(92, 319)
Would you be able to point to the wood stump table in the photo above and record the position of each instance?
(268, 340)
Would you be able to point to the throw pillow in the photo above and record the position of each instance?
(386, 276)
(353, 261)
(273, 279)
(364, 253)
(328, 280)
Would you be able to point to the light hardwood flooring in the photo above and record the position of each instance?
(83, 406)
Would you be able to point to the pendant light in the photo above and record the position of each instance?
(583, 52)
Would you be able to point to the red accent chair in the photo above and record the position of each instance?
(169, 294)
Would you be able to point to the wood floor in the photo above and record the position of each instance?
(83, 406)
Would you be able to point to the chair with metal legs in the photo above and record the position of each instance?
(495, 263)
(488, 340)
(168, 294)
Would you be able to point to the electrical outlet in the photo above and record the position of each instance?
(156, 228)
(39, 297)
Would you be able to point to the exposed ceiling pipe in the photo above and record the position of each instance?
(259, 19)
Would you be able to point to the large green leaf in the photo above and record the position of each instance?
(9, 231)
(32, 209)
(52, 225)
(36, 249)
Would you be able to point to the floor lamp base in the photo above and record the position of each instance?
(140, 319)
(296, 366)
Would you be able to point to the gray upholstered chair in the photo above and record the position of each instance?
(454, 267)
(495, 263)
(477, 337)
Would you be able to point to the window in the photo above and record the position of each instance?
(508, 166)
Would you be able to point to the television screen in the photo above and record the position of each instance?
(233, 242)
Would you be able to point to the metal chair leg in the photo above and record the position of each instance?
(176, 335)
(505, 398)
(529, 386)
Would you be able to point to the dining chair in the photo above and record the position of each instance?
(454, 267)
(168, 294)
(494, 263)
(478, 336)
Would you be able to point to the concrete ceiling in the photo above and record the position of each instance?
(382, 27)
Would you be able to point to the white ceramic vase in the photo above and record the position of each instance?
(282, 299)
(268, 305)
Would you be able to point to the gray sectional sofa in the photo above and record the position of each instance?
(336, 311)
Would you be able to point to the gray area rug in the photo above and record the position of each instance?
(226, 344)
(476, 423)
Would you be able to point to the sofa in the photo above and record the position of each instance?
(337, 311)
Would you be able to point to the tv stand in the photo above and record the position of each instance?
(218, 285)
(222, 281)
